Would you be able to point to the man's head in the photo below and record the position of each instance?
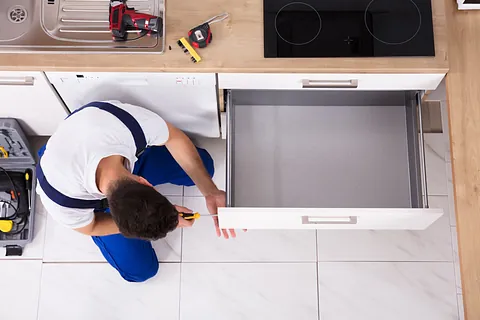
(140, 211)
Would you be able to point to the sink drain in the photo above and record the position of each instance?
(17, 14)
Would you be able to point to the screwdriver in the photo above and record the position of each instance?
(195, 215)
(28, 182)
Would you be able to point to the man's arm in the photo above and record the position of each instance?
(186, 154)
(101, 225)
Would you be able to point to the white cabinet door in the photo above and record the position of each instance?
(329, 81)
(189, 101)
(29, 98)
(331, 218)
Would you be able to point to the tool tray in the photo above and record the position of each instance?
(19, 160)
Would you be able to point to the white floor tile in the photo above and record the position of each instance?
(20, 286)
(456, 260)
(33, 250)
(461, 310)
(248, 291)
(435, 149)
(393, 291)
(217, 149)
(169, 189)
(95, 291)
(432, 244)
(66, 245)
(200, 243)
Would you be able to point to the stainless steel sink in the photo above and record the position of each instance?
(71, 25)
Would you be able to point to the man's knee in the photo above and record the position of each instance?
(141, 275)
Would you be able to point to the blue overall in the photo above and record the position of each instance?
(134, 259)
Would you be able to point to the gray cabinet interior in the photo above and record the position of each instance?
(337, 149)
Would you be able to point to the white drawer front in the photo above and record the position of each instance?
(333, 81)
(323, 218)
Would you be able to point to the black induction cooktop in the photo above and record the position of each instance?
(348, 28)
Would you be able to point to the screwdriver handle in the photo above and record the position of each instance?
(28, 182)
(28, 179)
(189, 216)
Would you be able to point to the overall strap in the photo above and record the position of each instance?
(126, 118)
(140, 142)
(65, 201)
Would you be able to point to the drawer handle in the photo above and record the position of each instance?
(16, 81)
(325, 84)
(329, 220)
(423, 168)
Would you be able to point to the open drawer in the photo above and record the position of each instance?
(325, 160)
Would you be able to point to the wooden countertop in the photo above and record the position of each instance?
(237, 47)
(463, 95)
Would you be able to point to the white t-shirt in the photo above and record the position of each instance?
(73, 152)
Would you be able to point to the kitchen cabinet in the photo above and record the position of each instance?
(329, 81)
(29, 97)
(324, 160)
(189, 101)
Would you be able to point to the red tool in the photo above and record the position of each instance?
(201, 35)
(123, 18)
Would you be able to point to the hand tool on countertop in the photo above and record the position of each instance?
(195, 215)
(201, 35)
(188, 49)
(123, 18)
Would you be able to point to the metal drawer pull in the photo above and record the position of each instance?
(312, 84)
(329, 220)
(16, 81)
(422, 153)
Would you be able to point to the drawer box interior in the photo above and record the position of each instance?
(323, 150)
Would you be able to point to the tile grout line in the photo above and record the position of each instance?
(40, 290)
(180, 293)
(45, 233)
(181, 238)
(250, 262)
(453, 239)
(456, 261)
(460, 315)
(181, 265)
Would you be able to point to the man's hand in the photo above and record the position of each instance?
(215, 201)
(182, 223)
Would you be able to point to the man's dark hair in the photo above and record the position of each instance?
(140, 211)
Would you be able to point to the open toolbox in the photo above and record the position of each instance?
(17, 188)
